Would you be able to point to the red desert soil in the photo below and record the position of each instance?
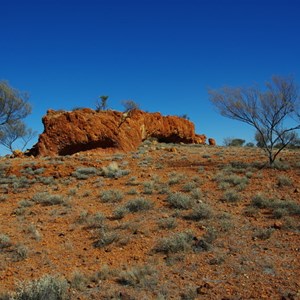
(163, 222)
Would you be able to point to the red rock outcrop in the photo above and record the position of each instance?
(200, 139)
(212, 142)
(66, 133)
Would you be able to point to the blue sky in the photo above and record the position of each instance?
(163, 54)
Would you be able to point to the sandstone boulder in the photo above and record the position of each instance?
(200, 139)
(211, 142)
(66, 133)
(17, 154)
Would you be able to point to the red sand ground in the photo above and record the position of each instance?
(237, 249)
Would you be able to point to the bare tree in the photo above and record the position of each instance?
(11, 132)
(13, 109)
(266, 110)
(129, 105)
(27, 137)
(13, 104)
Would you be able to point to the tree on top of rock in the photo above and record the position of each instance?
(129, 105)
(101, 104)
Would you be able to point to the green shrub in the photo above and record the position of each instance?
(279, 207)
(95, 221)
(132, 181)
(224, 185)
(163, 189)
(284, 181)
(218, 260)
(178, 242)
(113, 171)
(47, 180)
(85, 173)
(20, 253)
(99, 182)
(111, 196)
(46, 288)
(138, 276)
(22, 183)
(251, 211)
(48, 199)
(132, 192)
(103, 273)
(201, 169)
(72, 192)
(239, 165)
(33, 231)
(291, 224)
(144, 163)
(196, 194)
(180, 200)
(224, 181)
(148, 187)
(120, 212)
(78, 281)
(168, 223)
(199, 212)
(263, 233)
(155, 178)
(225, 224)
(118, 156)
(138, 204)
(19, 211)
(31, 171)
(3, 198)
(259, 201)
(249, 174)
(278, 213)
(230, 196)
(106, 238)
(205, 243)
(189, 186)
(4, 241)
(279, 165)
(175, 178)
(25, 203)
(82, 217)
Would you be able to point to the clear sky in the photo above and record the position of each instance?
(163, 54)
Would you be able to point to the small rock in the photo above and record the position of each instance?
(277, 225)
(211, 142)
(202, 290)
(173, 149)
(17, 153)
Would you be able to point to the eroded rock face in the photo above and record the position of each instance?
(66, 133)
